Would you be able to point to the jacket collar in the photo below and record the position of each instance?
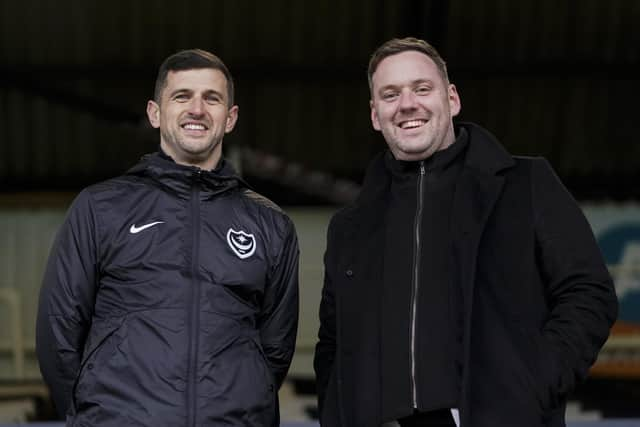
(181, 179)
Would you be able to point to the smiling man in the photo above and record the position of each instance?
(194, 109)
(171, 293)
(464, 286)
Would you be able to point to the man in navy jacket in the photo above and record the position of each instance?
(464, 286)
(171, 293)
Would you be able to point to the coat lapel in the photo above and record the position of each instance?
(365, 230)
(476, 195)
(478, 190)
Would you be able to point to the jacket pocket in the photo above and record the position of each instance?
(269, 383)
(238, 386)
(99, 349)
(541, 368)
(268, 375)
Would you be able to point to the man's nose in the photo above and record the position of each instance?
(408, 100)
(196, 106)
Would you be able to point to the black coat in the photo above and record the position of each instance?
(170, 299)
(538, 299)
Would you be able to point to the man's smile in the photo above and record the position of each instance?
(412, 124)
(193, 127)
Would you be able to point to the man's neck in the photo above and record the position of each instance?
(209, 163)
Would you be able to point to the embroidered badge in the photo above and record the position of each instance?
(241, 243)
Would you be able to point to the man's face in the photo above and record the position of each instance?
(193, 116)
(413, 106)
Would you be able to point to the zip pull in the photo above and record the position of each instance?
(422, 168)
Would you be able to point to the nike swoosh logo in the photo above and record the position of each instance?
(135, 230)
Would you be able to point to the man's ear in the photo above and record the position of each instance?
(153, 113)
(455, 105)
(232, 118)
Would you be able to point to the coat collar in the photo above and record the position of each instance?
(485, 157)
(478, 189)
(485, 154)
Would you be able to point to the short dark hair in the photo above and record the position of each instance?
(395, 46)
(191, 59)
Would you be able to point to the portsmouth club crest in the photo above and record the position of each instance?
(241, 243)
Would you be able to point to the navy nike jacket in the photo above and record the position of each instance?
(170, 299)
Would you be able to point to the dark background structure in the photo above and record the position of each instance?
(558, 78)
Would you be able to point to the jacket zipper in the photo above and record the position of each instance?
(414, 291)
(194, 299)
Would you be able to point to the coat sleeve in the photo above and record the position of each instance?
(580, 292)
(279, 317)
(66, 302)
(325, 352)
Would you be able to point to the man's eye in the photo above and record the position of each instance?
(213, 100)
(181, 97)
(423, 90)
(389, 96)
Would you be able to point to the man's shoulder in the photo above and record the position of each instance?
(527, 160)
(103, 196)
(93, 201)
(374, 188)
(487, 152)
(260, 201)
(343, 218)
(264, 207)
(118, 185)
(524, 165)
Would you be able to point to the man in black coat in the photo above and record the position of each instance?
(464, 286)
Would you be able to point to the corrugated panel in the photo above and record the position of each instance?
(502, 32)
(76, 33)
(44, 141)
(582, 124)
(551, 78)
(108, 53)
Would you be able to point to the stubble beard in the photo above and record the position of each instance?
(409, 147)
(192, 152)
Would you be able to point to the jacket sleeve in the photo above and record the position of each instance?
(279, 317)
(579, 289)
(66, 302)
(325, 352)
